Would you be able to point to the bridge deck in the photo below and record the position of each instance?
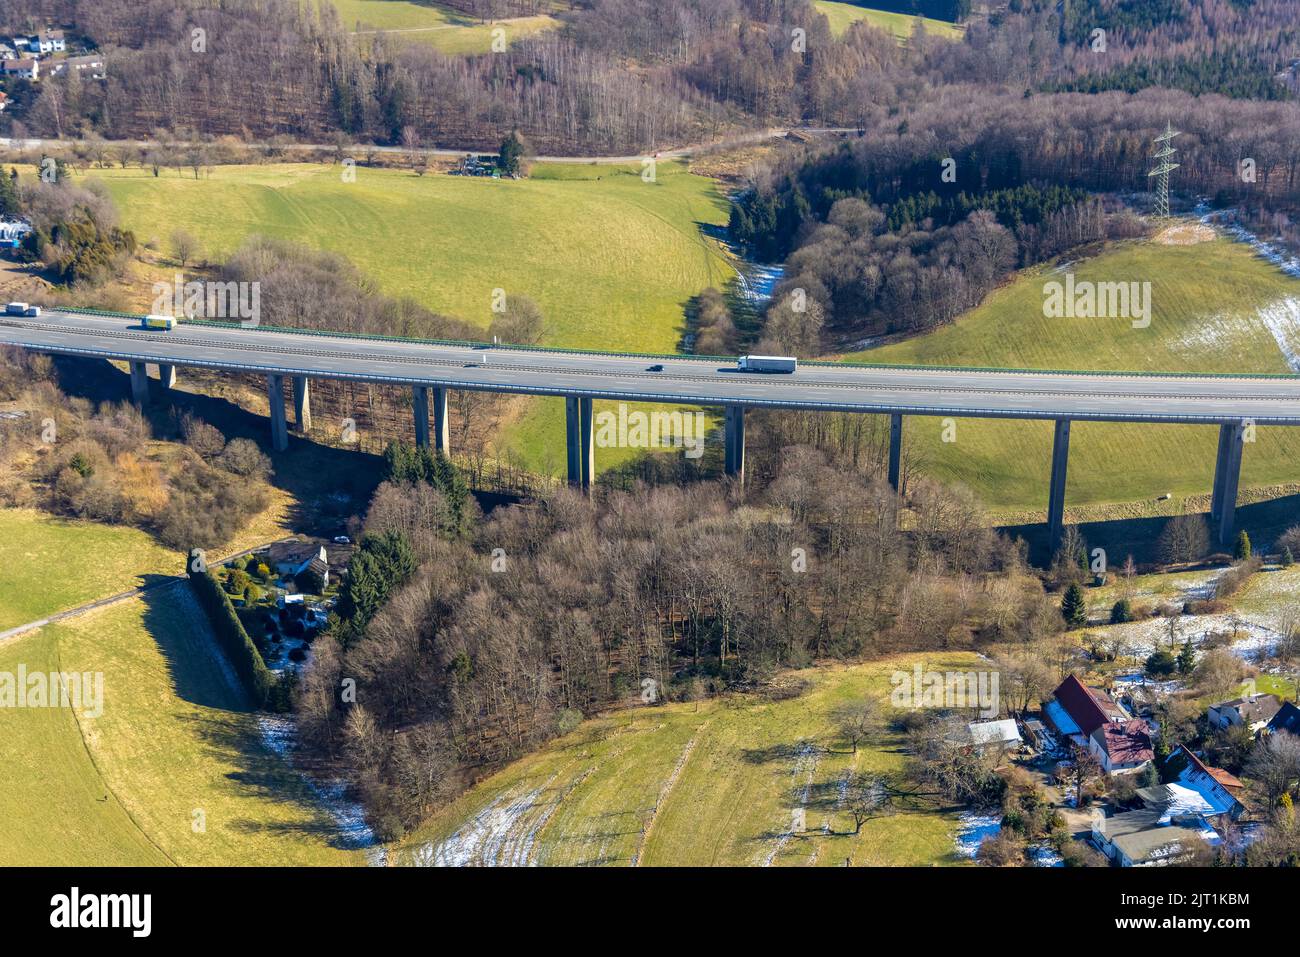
(956, 392)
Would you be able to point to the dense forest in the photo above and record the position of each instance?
(911, 224)
(620, 75)
(481, 638)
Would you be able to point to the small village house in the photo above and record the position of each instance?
(1255, 711)
(1122, 745)
(1221, 790)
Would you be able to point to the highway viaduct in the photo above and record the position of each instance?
(1235, 403)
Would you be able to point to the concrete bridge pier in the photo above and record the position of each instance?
(895, 450)
(579, 423)
(420, 403)
(167, 376)
(140, 383)
(279, 425)
(441, 433)
(1227, 475)
(302, 404)
(1056, 498)
(734, 455)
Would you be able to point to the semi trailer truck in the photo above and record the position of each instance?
(767, 363)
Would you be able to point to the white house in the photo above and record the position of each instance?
(28, 68)
(51, 41)
(1255, 711)
(12, 232)
(91, 64)
(995, 735)
(1149, 837)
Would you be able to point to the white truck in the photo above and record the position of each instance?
(22, 309)
(767, 363)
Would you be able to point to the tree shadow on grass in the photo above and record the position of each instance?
(179, 627)
(232, 738)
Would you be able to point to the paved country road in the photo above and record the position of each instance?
(685, 380)
(677, 152)
(166, 582)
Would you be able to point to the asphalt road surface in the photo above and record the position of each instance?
(917, 391)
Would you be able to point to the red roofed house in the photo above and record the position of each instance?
(1122, 745)
(1077, 710)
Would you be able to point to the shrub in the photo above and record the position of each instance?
(1121, 612)
(1241, 551)
(1161, 664)
(82, 465)
(1074, 608)
(567, 720)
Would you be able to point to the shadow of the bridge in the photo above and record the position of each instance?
(1263, 522)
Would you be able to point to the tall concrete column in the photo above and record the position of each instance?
(139, 383)
(167, 375)
(279, 424)
(420, 402)
(734, 454)
(1056, 498)
(1227, 476)
(441, 434)
(579, 441)
(302, 404)
(895, 450)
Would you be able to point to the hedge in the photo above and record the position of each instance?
(230, 632)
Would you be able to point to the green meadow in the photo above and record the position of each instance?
(685, 784)
(844, 15)
(448, 30)
(49, 564)
(610, 258)
(173, 771)
(1216, 307)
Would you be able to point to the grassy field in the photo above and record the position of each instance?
(175, 744)
(610, 259)
(444, 28)
(49, 564)
(1215, 308)
(844, 15)
(688, 785)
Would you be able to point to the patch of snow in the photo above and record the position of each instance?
(1142, 638)
(974, 829)
(1282, 318)
(1044, 855)
(805, 765)
(354, 833)
(1273, 254)
(494, 837)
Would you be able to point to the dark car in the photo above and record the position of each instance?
(657, 367)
